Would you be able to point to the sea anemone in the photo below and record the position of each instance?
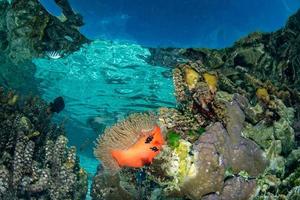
(133, 142)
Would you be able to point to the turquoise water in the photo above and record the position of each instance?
(104, 81)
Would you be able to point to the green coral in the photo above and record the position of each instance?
(244, 174)
(222, 96)
(287, 113)
(193, 135)
(228, 173)
(264, 182)
(262, 134)
(284, 132)
(173, 139)
(281, 130)
(201, 130)
(293, 179)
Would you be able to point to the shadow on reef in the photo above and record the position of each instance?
(35, 161)
(234, 132)
(27, 30)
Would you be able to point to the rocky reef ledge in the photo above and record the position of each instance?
(27, 31)
(259, 59)
(235, 131)
(35, 161)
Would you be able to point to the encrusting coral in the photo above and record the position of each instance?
(133, 142)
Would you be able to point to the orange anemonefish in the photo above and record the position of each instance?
(142, 152)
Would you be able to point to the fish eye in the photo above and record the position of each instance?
(155, 149)
(149, 139)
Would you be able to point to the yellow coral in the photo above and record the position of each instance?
(177, 163)
(263, 95)
(191, 77)
(12, 101)
(69, 164)
(82, 172)
(185, 160)
(34, 134)
(211, 81)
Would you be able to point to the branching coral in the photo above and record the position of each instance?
(179, 83)
(34, 164)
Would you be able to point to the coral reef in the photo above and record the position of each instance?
(35, 161)
(260, 60)
(199, 169)
(193, 169)
(234, 188)
(235, 131)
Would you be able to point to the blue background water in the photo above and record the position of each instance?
(206, 23)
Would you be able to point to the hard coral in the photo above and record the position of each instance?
(133, 142)
(35, 160)
(180, 85)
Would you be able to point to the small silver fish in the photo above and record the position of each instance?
(69, 38)
(53, 54)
